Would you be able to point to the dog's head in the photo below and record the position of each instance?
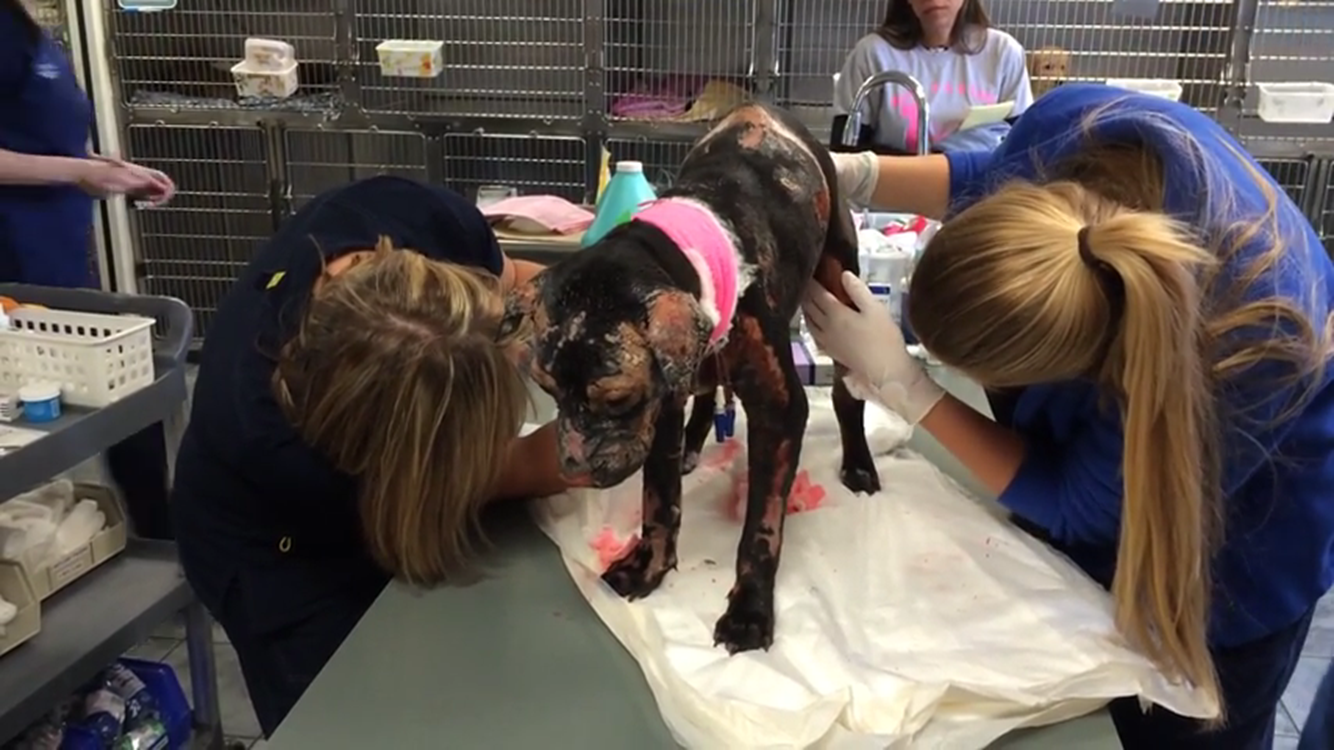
(609, 338)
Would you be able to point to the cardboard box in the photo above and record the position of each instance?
(53, 576)
(16, 590)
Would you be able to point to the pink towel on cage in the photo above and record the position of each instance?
(539, 214)
(667, 96)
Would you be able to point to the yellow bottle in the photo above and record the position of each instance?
(604, 173)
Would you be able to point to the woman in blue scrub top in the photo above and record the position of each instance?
(1150, 315)
(48, 182)
(355, 408)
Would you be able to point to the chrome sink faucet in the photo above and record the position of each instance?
(854, 125)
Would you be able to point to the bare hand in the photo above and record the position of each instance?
(104, 176)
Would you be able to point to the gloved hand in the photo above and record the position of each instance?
(857, 176)
(870, 344)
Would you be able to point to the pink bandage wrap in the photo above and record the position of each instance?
(710, 249)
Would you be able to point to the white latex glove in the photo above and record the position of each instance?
(857, 176)
(870, 344)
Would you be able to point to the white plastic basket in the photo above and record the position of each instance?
(96, 359)
(1160, 87)
(1296, 102)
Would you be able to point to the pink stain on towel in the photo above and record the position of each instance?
(609, 548)
(723, 457)
(805, 495)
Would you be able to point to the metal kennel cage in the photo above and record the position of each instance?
(531, 93)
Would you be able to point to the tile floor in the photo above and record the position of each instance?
(240, 725)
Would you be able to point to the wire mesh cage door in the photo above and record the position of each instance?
(500, 58)
(1293, 42)
(1187, 41)
(183, 58)
(321, 160)
(528, 165)
(687, 61)
(196, 246)
(1324, 215)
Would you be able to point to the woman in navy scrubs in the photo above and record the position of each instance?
(355, 409)
(48, 181)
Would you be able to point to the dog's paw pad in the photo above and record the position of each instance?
(859, 479)
(747, 625)
(689, 462)
(637, 574)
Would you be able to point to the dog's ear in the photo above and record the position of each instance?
(678, 332)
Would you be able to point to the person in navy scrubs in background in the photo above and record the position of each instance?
(357, 404)
(48, 181)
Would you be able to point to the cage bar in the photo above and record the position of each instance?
(530, 164)
(1293, 41)
(322, 160)
(681, 61)
(195, 246)
(501, 58)
(182, 58)
(661, 159)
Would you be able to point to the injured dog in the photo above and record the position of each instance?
(704, 280)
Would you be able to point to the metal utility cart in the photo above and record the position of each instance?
(117, 605)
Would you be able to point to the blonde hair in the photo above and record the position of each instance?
(396, 373)
(1004, 294)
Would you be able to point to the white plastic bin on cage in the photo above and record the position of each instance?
(269, 70)
(1296, 102)
(96, 359)
(410, 58)
(1165, 88)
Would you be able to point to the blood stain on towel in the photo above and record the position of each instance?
(805, 495)
(723, 457)
(609, 548)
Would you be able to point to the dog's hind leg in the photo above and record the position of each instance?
(840, 254)
(641, 570)
(767, 384)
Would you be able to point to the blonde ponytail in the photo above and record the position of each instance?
(1170, 520)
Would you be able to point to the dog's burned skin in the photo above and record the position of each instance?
(624, 332)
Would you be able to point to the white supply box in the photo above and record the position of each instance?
(1297, 102)
(1160, 87)
(269, 70)
(96, 359)
(410, 58)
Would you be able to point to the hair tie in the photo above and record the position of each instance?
(1086, 253)
(1113, 287)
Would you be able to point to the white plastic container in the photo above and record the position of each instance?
(1165, 88)
(41, 401)
(1297, 102)
(269, 54)
(269, 84)
(410, 58)
(96, 359)
(269, 70)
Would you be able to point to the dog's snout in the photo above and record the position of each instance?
(576, 452)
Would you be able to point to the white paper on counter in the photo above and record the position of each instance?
(910, 618)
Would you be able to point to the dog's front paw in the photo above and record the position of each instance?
(637, 574)
(689, 462)
(860, 478)
(748, 623)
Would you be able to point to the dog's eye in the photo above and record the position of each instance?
(509, 325)
(619, 404)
